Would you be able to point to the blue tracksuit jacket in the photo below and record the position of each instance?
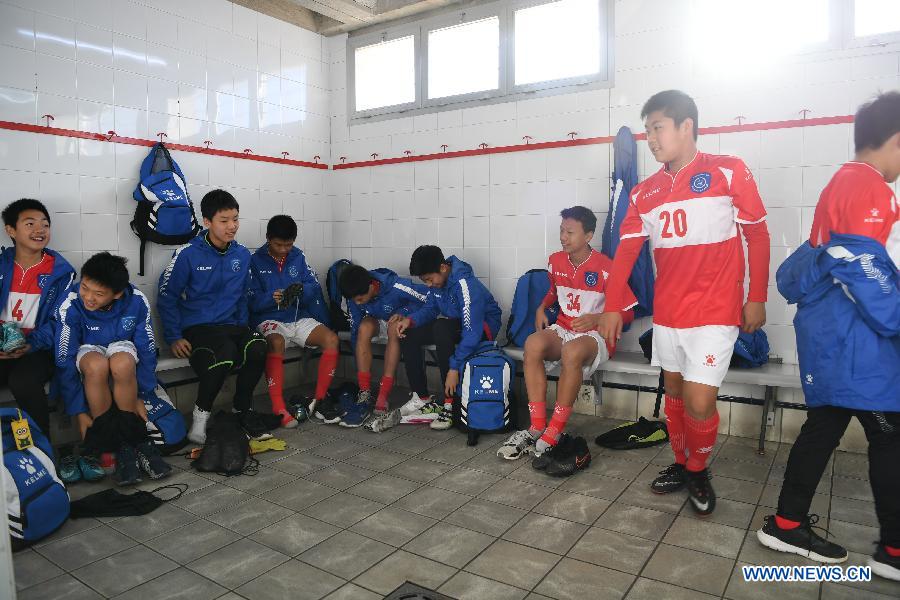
(397, 296)
(266, 277)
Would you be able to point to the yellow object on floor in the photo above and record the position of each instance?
(257, 446)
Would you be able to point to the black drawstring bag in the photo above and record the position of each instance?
(114, 428)
(227, 448)
(110, 503)
(630, 435)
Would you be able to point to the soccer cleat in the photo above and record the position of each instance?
(517, 445)
(426, 414)
(298, 407)
(287, 419)
(577, 458)
(559, 451)
(801, 540)
(885, 565)
(384, 421)
(128, 471)
(68, 469)
(151, 461)
(671, 479)
(356, 415)
(13, 338)
(364, 397)
(90, 468)
(443, 421)
(197, 434)
(700, 492)
(253, 423)
(328, 411)
(414, 405)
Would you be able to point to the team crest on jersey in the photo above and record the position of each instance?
(42, 280)
(292, 271)
(700, 182)
(591, 278)
(235, 265)
(128, 323)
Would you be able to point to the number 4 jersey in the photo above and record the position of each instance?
(691, 219)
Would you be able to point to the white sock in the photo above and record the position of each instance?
(541, 446)
(197, 434)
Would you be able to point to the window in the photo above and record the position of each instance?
(875, 17)
(464, 58)
(385, 74)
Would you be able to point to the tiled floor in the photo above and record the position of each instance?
(350, 514)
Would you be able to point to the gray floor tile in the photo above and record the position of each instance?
(211, 499)
(251, 516)
(343, 509)
(346, 554)
(69, 528)
(192, 541)
(754, 553)
(612, 466)
(238, 563)
(410, 445)
(614, 550)
(854, 511)
(835, 591)
(292, 579)
(267, 479)
(529, 474)
(878, 584)
(340, 476)
(393, 526)
(401, 566)
(513, 564)
(769, 497)
(466, 481)
(432, 502)
(351, 591)
(648, 589)
(83, 548)
(634, 520)
(487, 517)
(295, 534)
(377, 459)
(449, 544)
(338, 449)
(728, 512)
(180, 584)
(418, 469)
(574, 580)
(572, 507)
(737, 489)
(162, 520)
(299, 495)
(301, 464)
(194, 480)
(687, 568)
(467, 586)
(384, 488)
(640, 494)
(124, 570)
(453, 452)
(854, 537)
(545, 533)
(64, 587)
(704, 536)
(489, 462)
(30, 568)
(738, 589)
(309, 436)
(598, 486)
(848, 464)
(739, 470)
(849, 487)
(516, 493)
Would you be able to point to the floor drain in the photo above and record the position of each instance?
(411, 591)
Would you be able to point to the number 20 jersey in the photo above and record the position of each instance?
(691, 219)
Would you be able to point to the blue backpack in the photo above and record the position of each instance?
(338, 312)
(165, 424)
(37, 502)
(751, 350)
(486, 403)
(164, 213)
(530, 290)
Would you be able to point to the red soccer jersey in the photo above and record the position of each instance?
(691, 218)
(25, 294)
(580, 290)
(857, 201)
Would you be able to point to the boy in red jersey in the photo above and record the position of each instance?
(578, 278)
(690, 210)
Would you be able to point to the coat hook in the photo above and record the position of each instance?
(740, 119)
(483, 145)
(162, 135)
(444, 147)
(804, 112)
(207, 143)
(47, 119)
(527, 139)
(572, 134)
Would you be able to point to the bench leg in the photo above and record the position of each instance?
(597, 382)
(768, 417)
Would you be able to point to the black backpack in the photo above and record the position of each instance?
(338, 312)
(227, 447)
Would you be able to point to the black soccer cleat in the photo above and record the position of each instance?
(562, 447)
(671, 479)
(577, 458)
(700, 492)
(801, 540)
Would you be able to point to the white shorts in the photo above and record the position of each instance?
(293, 333)
(567, 336)
(382, 334)
(118, 346)
(700, 354)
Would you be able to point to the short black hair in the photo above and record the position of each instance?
(676, 105)
(354, 281)
(14, 209)
(425, 260)
(108, 270)
(876, 121)
(583, 215)
(282, 227)
(215, 201)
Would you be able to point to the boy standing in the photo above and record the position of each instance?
(471, 315)
(848, 340)
(690, 210)
(578, 276)
(104, 332)
(377, 297)
(202, 300)
(274, 268)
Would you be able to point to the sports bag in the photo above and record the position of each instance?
(485, 399)
(165, 424)
(531, 288)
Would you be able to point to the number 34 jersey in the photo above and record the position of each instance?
(580, 290)
(691, 219)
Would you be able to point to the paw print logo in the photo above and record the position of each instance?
(710, 360)
(809, 378)
(27, 465)
(486, 382)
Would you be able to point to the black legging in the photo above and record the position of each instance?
(444, 334)
(216, 350)
(26, 377)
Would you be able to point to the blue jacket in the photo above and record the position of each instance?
(265, 278)
(127, 319)
(463, 297)
(397, 296)
(848, 322)
(202, 286)
(53, 289)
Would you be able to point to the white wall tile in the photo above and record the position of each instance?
(16, 27)
(54, 36)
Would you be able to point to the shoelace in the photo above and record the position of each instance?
(671, 469)
(811, 521)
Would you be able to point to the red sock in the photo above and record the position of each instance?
(384, 390)
(892, 551)
(365, 381)
(538, 412)
(700, 438)
(275, 381)
(327, 365)
(786, 523)
(675, 426)
(557, 424)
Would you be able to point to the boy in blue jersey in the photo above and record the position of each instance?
(378, 299)
(104, 332)
(202, 300)
(471, 315)
(286, 306)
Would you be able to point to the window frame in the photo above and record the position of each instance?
(865, 41)
(394, 33)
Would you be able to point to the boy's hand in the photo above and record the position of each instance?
(585, 323)
(394, 319)
(541, 321)
(15, 353)
(753, 316)
(450, 383)
(278, 296)
(182, 348)
(402, 325)
(609, 326)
